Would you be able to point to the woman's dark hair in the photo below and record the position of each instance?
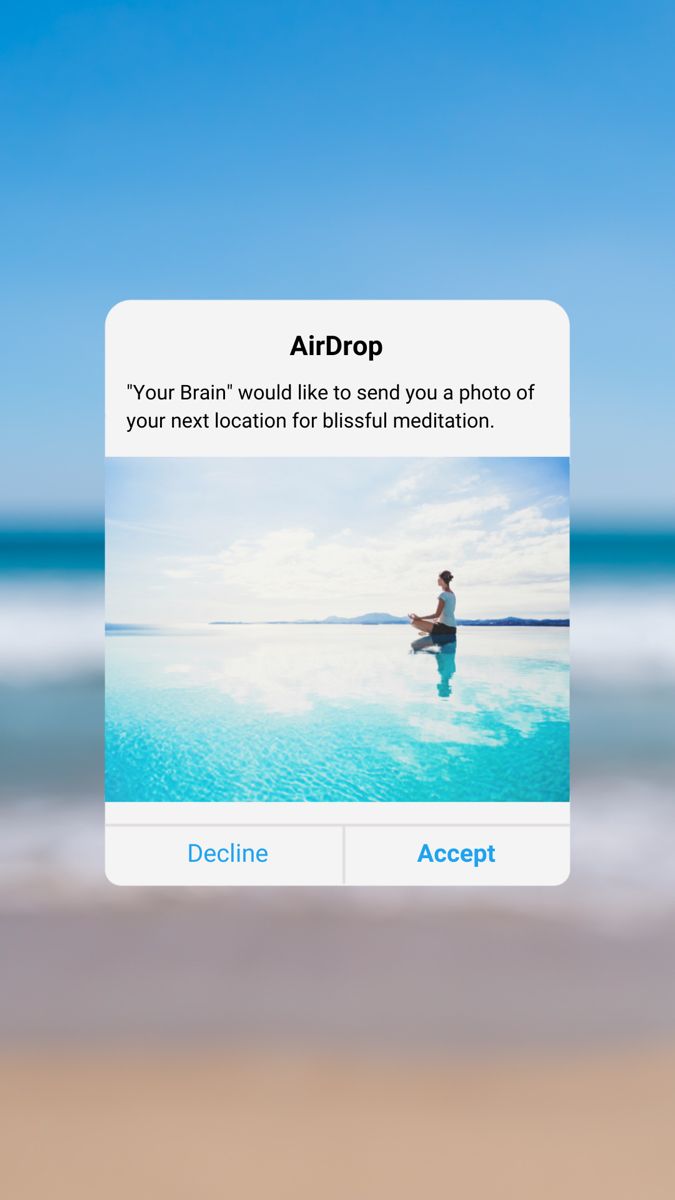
(446, 576)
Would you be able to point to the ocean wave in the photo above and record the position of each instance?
(50, 631)
(623, 635)
(54, 630)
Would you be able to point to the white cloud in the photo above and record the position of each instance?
(447, 475)
(507, 559)
(448, 513)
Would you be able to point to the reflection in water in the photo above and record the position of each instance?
(445, 654)
(446, 663)
(319, 713)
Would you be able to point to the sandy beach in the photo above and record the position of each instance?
(253, 1047)
(202, 1124)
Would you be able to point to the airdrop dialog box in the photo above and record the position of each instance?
(337, 600)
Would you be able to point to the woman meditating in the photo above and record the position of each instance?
(440, 626)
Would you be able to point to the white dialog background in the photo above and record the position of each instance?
(426, 343)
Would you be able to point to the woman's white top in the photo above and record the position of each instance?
(448, 613)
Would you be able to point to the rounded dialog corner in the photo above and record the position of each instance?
(561, 312)
(564, 878)
(111, 315)
(110, 877)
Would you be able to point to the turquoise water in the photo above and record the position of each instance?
(337, 714)
(33, 550)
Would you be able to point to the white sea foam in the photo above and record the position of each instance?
(50, 631)
(55, 630)
(623, 633)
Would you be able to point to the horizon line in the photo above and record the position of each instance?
(331, 620)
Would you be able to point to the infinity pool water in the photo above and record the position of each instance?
(321, 713)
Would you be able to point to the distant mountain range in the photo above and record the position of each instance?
(559, 621)
(378, 618)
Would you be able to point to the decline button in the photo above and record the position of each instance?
(170, 855)
(233, 852)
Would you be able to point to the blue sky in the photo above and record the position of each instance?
(192, 540)
(354, 149)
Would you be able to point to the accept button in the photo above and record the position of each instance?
(461, 855)
(452, 854)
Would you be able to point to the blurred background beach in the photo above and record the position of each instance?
(367, 1043)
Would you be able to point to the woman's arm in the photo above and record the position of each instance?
(430, 616)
